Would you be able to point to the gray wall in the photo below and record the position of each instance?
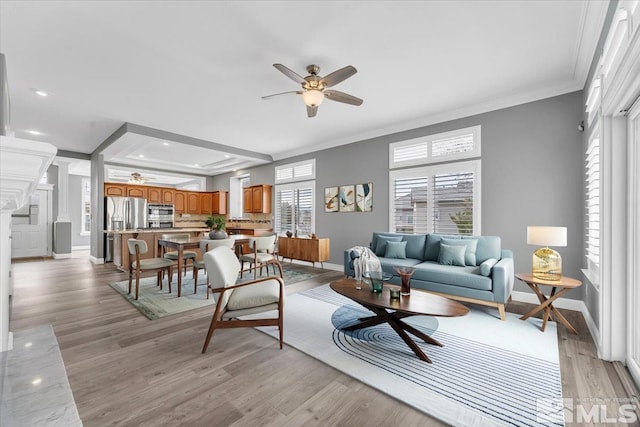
(75, 211)
(531, 175)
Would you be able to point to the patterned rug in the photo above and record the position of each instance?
(489, 372)
(155, 303)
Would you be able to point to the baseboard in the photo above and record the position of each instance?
(325, 265)
(61, 256)
(564, 303)
(80, 248)
(95, 260)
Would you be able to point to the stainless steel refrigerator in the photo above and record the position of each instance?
(123, 213)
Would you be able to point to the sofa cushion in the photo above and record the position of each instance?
(488, 247)
(451, 255)
(432, 246)
(388, 264)
(466, 277)
(396, 250)
(487, 266)
(470, 244)
(381, 243)
(415, 243)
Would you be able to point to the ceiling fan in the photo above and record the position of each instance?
(137, 178)
(314, 87)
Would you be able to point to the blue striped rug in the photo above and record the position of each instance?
(489, 372)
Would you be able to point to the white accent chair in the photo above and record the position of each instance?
(234, 300)
(139, 247)
(205, 246)
(262, 255)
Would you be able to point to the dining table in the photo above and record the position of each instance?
(188, 243)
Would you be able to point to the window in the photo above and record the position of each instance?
(442, 198)
(592, 209)
(295, 201)
(85, 217)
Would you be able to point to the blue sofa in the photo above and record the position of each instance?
(486, 278)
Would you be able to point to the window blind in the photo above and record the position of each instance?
(592, 186)
(295, 208)
(453, 203)
(409, 207)
(451, 146)
(295, 171)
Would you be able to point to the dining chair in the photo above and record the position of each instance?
(234, 300)
(205, 246)
(262, 255)
(139, 247)
(186, 255)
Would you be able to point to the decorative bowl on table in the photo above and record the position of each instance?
(376, 279)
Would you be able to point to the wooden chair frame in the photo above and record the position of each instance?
(159, 271)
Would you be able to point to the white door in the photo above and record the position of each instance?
(30, 227)
(633, 281)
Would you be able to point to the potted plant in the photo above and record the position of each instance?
(217, 225)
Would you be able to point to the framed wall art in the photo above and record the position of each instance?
(364, 197)
(347, 197)
(331, 199)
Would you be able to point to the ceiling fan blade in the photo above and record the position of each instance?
(311, 111)
(335, 95)
(290, 73)
(299, 92)
(338, 76)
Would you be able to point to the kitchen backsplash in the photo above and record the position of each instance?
(256, 221)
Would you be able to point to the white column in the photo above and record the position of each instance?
(63, 191)
(5, 280)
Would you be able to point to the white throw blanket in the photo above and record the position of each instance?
(366, 261)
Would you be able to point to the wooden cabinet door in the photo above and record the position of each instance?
(117, 190)
(247, 200)
(154, 195)
(206, 203)
(180, 201)
(193, 202)
(136, 191)
(219, 201)
(168, 196)
(256, 199)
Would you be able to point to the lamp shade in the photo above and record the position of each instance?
(312, 97)
(547, 236)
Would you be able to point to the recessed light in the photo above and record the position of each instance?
(29, 344)
(36, 381)
(42, 93)
(166, 144)
(34, 132)
(197, 165)
(226, 156)
(141, 155)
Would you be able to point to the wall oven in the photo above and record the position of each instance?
(160, 215)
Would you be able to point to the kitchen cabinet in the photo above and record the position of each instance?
(168, 195)
(154, 195)
(206, 203)
(180, 201)
(219, 202)
(257, 199)
(136, 191)
(193, 202)
(116, 190)
(304, 249)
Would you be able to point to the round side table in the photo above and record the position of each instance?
(564, 285)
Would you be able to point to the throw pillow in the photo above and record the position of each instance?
(469, 244)
(486, 266)
(396, 250)
(451, 255)
(381, 243)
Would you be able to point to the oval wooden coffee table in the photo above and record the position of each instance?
(419, 303)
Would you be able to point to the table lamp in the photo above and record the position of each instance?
(547, 263)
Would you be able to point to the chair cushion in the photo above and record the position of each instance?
(153, 263)
(259, 294)
(261, 257)
(185, 255)
(199, 264)
(232, 314)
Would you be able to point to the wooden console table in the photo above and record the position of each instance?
(304, 249)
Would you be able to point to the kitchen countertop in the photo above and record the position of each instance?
(157, 230)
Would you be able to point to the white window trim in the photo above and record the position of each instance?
(82, 200)
(292, 166)
(236, 195)
(474, 166)
(429, 139)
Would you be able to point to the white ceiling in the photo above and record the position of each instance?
(199, 69)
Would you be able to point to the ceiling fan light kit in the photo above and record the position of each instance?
(313, 87)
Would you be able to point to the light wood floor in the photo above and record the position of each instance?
(127, 370)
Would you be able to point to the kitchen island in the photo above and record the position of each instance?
(151, 236)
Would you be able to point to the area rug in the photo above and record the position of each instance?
(155, 303)
(488, 373)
